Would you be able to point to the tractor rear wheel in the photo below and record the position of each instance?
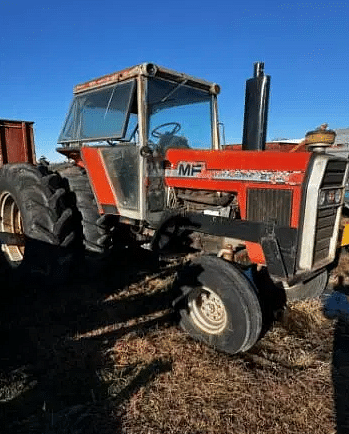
(37, 207)
(98, 230)
(221, 305)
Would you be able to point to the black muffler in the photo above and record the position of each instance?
(256, 110)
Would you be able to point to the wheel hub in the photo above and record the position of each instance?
(208, 312)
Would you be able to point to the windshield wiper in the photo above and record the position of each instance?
(109, 102)
(171, 92)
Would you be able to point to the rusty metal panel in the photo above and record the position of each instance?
(16, 142)
(150, 70)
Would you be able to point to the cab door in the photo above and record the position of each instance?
(155, 189)
(114, 173)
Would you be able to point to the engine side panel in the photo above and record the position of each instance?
(241, 172)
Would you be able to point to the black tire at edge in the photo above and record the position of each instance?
(51, 222)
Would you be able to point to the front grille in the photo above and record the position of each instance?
(269, 205)
(326, 217)
(334, 174)
(325, 223)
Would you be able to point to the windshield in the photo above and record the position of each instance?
(180, 116)
(100, 114)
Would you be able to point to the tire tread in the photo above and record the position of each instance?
(98, 237)
(48, 214)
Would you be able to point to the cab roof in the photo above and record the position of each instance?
(149, 70)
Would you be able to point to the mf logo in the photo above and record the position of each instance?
(189, 169)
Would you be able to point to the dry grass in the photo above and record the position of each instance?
(282, 386)
(341, 274)
(113, 369)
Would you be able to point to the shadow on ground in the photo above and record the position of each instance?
(340, 367)
(50, 382)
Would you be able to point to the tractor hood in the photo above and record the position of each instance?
(227, 166)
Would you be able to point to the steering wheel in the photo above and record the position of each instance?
(175, 128)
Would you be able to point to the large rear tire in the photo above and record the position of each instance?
(36, 204)
(221, 305)
(98, 230)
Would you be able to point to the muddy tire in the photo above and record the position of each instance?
(37, 203)
(310, 289)
(221, 307)
(98, 230)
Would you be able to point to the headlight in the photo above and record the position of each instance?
(322, 197)
(338, 196)
(330, 197)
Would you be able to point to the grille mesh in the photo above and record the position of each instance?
(325, 222)
(326, 217)
(269, 205)
(334, 174)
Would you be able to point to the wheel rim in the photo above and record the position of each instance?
(208, 312)
(11, 222)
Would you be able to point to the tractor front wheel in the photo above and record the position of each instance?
(221, 306)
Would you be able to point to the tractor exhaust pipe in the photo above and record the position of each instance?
(256, 110)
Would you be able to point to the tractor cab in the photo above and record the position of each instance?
(122, 124)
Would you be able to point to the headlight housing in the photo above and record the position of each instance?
(329, 197)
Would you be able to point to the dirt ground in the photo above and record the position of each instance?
(104, 355)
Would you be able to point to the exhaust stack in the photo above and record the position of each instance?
(256, 110)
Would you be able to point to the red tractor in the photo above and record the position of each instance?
(145, 159)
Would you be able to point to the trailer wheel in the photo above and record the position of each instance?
(310, 289)
(98, 230)
(221, 306)
(36, 204)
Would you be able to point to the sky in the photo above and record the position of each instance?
(48, 47)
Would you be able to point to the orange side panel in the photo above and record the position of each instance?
(98, 176)
(296, 206)
(255, 253)
(345, 236)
